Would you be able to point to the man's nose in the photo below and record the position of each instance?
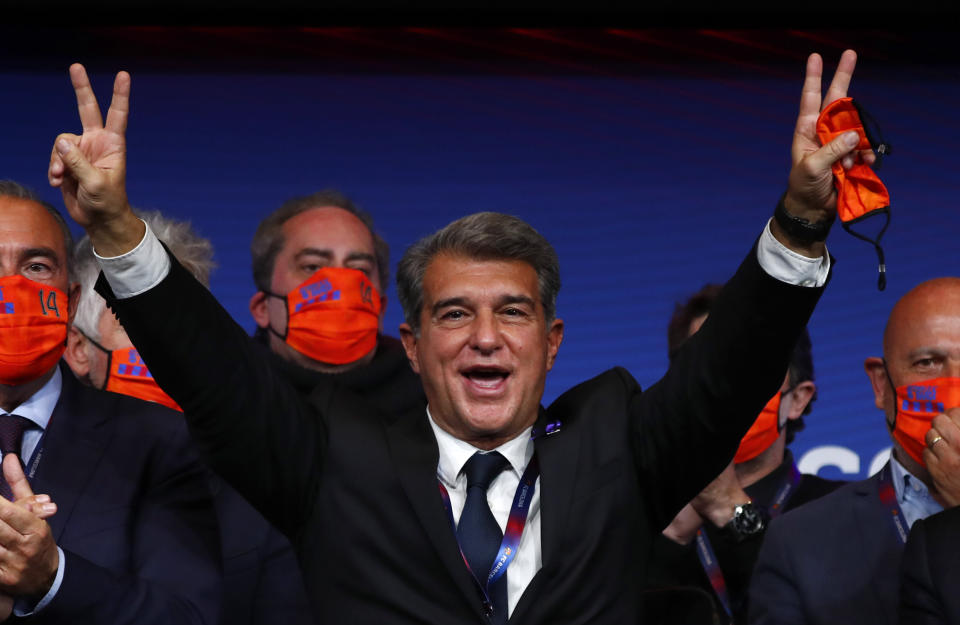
(486, 336)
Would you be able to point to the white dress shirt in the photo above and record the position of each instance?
(454, 453)
(146, 265)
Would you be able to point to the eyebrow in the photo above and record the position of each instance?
(503, 301)
(926, 351)
(44, 252)
(316, 251)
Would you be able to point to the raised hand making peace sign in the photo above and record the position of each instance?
(810, 191)
(90, 169)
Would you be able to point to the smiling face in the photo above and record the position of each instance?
(484, 347)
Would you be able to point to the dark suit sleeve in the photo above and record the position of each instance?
(920, 602)
(251, 426)
(174, 573)
(716, 386)
(774, 597)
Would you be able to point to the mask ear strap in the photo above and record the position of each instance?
(893, 425)
(103, 349)
(882, 266)
(286, 308)
(780, 427)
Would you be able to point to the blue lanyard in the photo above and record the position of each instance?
(707, 556)
(888, 497)
(515, 522)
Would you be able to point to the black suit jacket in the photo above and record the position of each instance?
(356, 490)
(135, 519)
(834, 560)
(930, 579)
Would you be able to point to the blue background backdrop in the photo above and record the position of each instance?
(651, 173)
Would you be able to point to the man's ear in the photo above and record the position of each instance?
(879, 380)
(76, 353)
(409, 340)
(554, 338)
(258, 309)
(800, 397)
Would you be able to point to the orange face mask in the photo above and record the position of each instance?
(860, 194)
(128, 375)
(764, 431)
(917, 405)
(33, 329)
(333, 317)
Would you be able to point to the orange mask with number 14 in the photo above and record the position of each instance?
(33, 329)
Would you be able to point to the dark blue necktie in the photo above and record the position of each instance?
(11, 437)
(478, 532)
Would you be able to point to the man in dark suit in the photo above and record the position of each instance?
(930, 575)
(416, 520)
(134, 538)
(837, 559)
(261, 579)
(761, 483)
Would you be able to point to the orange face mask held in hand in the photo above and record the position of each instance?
(860, 194)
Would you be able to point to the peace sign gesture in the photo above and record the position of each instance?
(90, 169)
(810, 191)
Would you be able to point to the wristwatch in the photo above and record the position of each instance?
(748, 520)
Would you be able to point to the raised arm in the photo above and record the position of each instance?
(695, 416)
(251, 426)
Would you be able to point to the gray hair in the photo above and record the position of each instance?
(481, 236)
(194, 252)
(268, 239)
(9, 188)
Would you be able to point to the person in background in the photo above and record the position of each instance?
(837, 559)
(323, 243)
(134, 538)
(761, 483)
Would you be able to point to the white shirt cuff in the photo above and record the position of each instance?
(137, 271)
(23, 608)
(787, 266)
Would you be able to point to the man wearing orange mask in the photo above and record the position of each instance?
(711, 546)
(134, 538)
(262, 582)
(837, 560)
(321, 273)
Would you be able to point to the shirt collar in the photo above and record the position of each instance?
(454, 452)
(39, 407)
(906, 484)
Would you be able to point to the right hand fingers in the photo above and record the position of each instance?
(823, 159)
(86, 100)
(56, 169)
(66, 149)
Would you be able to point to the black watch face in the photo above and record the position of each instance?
(747, 520)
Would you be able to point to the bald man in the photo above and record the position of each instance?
(837, 559)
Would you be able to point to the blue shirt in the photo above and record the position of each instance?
(914, 497)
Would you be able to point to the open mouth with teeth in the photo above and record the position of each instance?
(486, 378)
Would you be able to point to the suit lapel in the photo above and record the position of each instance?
(878, 536)
(413, 448)
(558, 454)
(72, 446)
